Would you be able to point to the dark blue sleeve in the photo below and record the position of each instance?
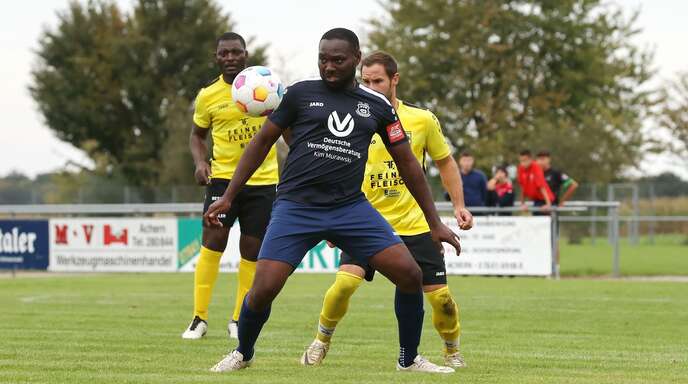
(389, 126)
(285, 114)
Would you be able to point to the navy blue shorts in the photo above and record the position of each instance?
(356, 228)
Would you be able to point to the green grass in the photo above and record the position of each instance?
(125, 328)
(666, 256)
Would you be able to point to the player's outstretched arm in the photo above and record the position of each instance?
(415, 181)
(255, 153)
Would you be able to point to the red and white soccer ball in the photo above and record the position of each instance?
(257, 91)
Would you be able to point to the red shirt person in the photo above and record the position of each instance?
(531, 178)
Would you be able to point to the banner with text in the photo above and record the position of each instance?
(24, 244)
(502, 245)
(113, 245)
(319, 259)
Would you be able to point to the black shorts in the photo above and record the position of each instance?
(426, 253)
(252, 206)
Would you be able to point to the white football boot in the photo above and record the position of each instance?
(315, 353)
(234, 361)
(197, 329)
(454, 360)
(233, 329)
(420, 364)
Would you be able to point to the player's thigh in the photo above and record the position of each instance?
(216, 238)
(350, 265)
(429, 257)
(398, 266)
(271, 275)
(361, 232)
(292, 231)
(254, 205)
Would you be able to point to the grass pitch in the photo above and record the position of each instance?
(125, 328)
(667, 255)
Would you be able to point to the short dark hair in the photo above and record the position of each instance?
(543, 153)
(466, 154)
(384, 59)
(526, 152)
(342, 34)
(502, 168)
(231, 36)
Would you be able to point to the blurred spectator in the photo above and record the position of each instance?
(474, 182)
(559, 182)
(500, 191)
(531, 178)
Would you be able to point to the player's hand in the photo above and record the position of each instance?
(217, 208)
(202, 173)
(442, 234)
(524, 207)
(464, 217)
(546, 208)
(329, 244)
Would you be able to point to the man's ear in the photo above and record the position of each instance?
(395, 79)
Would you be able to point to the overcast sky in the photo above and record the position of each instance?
(29, 147)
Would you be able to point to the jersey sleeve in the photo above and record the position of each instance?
(285, 114)
(566, 181)
(201, 117)
(389, 127)
(435, 143)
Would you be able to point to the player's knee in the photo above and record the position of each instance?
(346, 283)
(412, 279)
(259, 299)
(215, 239)
(442, 301)
(249, 247)
(260, 296)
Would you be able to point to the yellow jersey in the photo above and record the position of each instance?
(383, 185)
(232, 130)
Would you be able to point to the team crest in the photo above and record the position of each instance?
(363, 109)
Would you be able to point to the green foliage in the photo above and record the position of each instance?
(507, 75)
(120, 85)
(674, 115)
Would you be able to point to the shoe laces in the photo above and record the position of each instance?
(233, 360)
(197, 320)
(456, 358)
(318, 349)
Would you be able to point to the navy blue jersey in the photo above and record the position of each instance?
(331, 131)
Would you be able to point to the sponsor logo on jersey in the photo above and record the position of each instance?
(339, 127)
(363, 109)
(394, 132)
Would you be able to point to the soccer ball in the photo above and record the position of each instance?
(257, 91)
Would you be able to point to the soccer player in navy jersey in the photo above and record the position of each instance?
(331, 122)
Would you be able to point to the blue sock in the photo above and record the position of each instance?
(409, 310)
(250, 324)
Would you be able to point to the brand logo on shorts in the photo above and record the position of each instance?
(363, 109)
(338, 127)
(439, 274)
(316, 104)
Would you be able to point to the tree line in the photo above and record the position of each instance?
(501, 76)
